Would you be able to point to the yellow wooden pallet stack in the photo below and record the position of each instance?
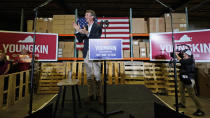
(115, 72)
(134, 72)
(51, 74)
(169, 77)
(154, 79)
(13, 88)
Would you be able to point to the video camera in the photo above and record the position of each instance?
(181, 52)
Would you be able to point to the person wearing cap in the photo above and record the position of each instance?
(187, 77)
(4, 64)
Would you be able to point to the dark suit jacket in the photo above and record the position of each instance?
(95, 32)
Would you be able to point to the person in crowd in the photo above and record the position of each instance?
(187, 77)
(23, 60)
(91, 31)
(4, 64)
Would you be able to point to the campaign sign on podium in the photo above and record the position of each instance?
(105, 49)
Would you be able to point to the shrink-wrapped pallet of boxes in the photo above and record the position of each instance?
(62, 24)
(69, 19)
(43, 25)
(58, 24)
(29, 25)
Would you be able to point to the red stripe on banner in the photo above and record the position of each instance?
(126, 43)
(116, 38)
(117, 28)
(126, 48)
(80, 43)
(100, 18)
(79, 48)
(119, 23)
(116, 23)
(116, 33)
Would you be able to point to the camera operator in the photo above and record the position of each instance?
(187, 77)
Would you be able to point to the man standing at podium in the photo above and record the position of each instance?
(91, 31)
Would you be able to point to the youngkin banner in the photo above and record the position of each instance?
(197, 40)
(12, 43)
(118, 29)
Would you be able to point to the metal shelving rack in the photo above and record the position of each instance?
(131, 42)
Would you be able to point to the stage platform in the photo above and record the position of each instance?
(21, 109)
(134, 100)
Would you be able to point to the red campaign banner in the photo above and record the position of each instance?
(46, 45)
(197, 40)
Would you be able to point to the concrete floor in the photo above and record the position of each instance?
(123, 97)
(190, 106)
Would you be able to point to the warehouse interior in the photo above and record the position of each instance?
(134, 84)
(198, 10)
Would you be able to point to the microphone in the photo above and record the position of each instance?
(43, 4)
(104, 23)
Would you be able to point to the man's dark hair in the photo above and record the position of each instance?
(92, 13)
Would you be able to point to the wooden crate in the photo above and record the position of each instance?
(13, 88)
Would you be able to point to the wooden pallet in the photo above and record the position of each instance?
(134, 72)
(154, 79)
(13, 88)
(51, 74)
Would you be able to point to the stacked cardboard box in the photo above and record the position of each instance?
(43, 25)
(179, 22)
(60, 48)
(204, 78)
(126, 53)
(143, 50)
(29, 25)
(62, 24)
(50, 25)
(66, 49)
(148, 49)
(156, 25)
(136, 48)
(139, 25)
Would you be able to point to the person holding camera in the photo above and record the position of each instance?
(187, 77)
(92, 31)
(4, 64)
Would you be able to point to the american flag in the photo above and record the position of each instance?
(118, 29)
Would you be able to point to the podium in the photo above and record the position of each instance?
(105, 49)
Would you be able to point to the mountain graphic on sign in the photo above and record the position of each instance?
(184, 38)
(28, 39)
